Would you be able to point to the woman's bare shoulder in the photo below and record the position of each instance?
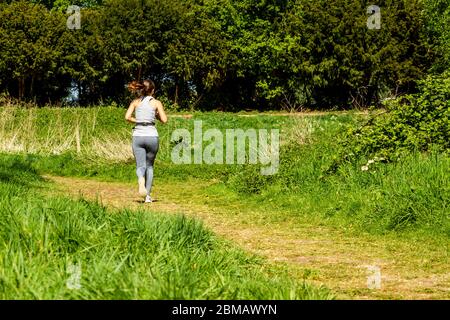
(156, 102)
(136, 102)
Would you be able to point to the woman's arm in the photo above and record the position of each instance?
(160, 112)
(129, 115)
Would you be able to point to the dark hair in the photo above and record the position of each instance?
(142, 88)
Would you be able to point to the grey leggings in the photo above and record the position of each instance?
(145, 150)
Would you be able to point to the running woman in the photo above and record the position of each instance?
(145, 136)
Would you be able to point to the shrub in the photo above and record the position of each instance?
(416, 122)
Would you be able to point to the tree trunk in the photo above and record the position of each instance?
(139, 73)
(80, 93)
(31, 86)
(176, 94)
(21, 87)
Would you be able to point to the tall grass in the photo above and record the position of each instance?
(119, 255)
(54, 131)
(97, 141)
(409, 195)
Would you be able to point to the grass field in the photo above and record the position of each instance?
(121, 255)
(298, 225)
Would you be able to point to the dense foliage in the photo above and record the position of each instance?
(417, 122)
(438, 22)
(225, 54)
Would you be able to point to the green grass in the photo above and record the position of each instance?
(122, 255)
(404, 201)
(46, 137)
(409, 195)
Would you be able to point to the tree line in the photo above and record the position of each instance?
(222, 54)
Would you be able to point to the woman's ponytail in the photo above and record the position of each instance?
(142, 88)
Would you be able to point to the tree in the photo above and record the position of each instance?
(25, 53)
(227, 54)
(327, 57)
(437, 13)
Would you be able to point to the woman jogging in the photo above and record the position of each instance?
(145, 136)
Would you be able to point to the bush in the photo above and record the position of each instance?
(417, 122)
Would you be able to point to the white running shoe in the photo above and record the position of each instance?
(148, 199)
(142, 190)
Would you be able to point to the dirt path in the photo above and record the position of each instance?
(319, 254)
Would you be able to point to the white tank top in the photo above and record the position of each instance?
(144, 112)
